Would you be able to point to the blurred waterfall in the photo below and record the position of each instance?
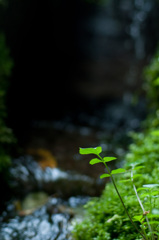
(116, 26)
(142, 9)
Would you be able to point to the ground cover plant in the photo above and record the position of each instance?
(106, 217)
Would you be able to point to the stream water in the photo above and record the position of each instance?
(51, 182)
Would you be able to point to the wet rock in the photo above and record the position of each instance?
(26, 175)
(34, 200)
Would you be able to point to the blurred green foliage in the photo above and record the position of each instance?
(6, 135)
(151, 88)
(105, 217)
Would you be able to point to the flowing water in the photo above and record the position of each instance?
(51, 182)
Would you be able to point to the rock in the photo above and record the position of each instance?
(30, 203)
(34, 200)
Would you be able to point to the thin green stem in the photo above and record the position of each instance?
(113, 181)
(151, 210)
(125, 208)
(141, 205)
(150, 202)
(143, 229)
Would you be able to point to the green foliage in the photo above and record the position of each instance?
(151, 87)
(6, 136)
(103, 213)
(96, 150)
(146, 231)
(105, 217)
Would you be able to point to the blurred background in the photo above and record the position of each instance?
(71, 75)
(72, 56)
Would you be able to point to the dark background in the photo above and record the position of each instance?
(73, 55)
(43, 40)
